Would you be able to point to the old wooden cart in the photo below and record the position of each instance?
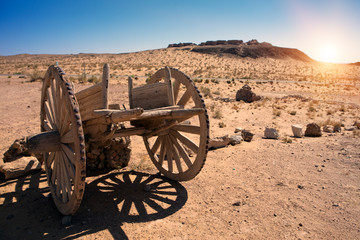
(168, 112)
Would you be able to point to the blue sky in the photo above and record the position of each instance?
(325, 30)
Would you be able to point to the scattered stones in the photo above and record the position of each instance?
(271, 133)
(357, 124)
(297, 130)
(245, 94)
(350, 128)
(328, 128)
(313, 130)
(20, 167)
(247, 135)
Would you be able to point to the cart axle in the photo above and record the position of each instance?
(44, 142)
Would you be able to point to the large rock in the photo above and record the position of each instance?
(219, 142)
(20, 167)
(271, 133)
(245, 94)
(297, 130)
(247, 135)
(357, 124)
(313, 130)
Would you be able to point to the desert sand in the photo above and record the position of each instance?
(290, 188)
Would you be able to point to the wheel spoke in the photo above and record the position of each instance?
(68, 137)
(187, 128)
(53, 94)
(54, 169)
(70, 153)
(185, 98)
(65, 123)
(187, 142)
(50, 102)
(49, 115)
(65, 183)
(47, 126)
(162, 152)
(69, 166)
(182, 152)
(177, 160)
(50, 159)
(156, 145)
(169, 154)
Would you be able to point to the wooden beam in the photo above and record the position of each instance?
(89, 91)
(105, 85)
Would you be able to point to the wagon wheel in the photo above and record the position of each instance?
(66, 168)
(180, 152)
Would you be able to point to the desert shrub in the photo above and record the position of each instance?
(36, 75)
(218, 114)
(217, 92)
(287, 140)
(81, 78)
(222, 125)
(207, 81)
(205, 91)
(9, 76)
(93, 79)
(276, 113)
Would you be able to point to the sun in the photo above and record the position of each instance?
(328, 53)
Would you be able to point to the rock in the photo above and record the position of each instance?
(337, 128)
(328, 128)
(247, 135)
(271, 133)
(246, 94)
(238, 129)
(297, 130)
(313, 130)
(235, 139)
(350, 128)
(20, 167)
(357, 124)
(219, 142)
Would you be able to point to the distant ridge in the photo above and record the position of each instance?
(355, 64)
(252, 49)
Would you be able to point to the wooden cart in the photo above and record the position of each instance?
(168, 112)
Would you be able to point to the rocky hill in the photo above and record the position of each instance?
(252, 49)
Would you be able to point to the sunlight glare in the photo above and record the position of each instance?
(328, 53)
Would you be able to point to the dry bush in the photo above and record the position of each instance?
(222, 125)
(218, 114)
(206, 91)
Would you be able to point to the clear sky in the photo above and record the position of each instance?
(326, 30)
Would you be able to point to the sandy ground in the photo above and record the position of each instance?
(264, 189)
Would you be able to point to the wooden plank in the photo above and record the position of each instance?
(170, 91)
(90, 101)
(150, 96)
(169, 114)
(89, 91)
(130, 88)
(187, 128)
(105, 116)
(105, 85)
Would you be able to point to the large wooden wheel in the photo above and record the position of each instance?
(65, 167)
(180, 151)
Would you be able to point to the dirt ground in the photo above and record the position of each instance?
(306, 188)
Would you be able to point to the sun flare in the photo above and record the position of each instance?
(328, 53)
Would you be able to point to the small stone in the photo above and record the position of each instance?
(271, 133)
(247, 135)
(66, 220)
(297, 130)
(328, 128)
(237, 203)
(357, 124)
(238, 129)
(300, 187)
(235, 139)
(20, 167)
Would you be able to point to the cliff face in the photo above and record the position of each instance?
(252, 49)
(255, 51)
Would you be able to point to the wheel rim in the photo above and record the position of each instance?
(66, 168)
(180, 152)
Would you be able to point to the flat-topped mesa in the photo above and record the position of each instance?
(219, 42)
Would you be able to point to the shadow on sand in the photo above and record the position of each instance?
(109, 201)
